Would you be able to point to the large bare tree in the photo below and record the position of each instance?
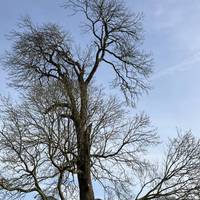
(65, 134)
(45, 53)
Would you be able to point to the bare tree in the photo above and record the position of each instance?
(65, 134)
(46, 53)
(179, 176)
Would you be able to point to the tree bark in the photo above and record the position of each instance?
(85, 182)
(83, 140)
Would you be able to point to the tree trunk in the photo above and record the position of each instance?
(83, 140)
(85, 183)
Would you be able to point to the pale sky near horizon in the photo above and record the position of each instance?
(172, 35)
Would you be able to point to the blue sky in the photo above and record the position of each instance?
(172, 35)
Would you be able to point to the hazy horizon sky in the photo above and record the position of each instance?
(172, 35)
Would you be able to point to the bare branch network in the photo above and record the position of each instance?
(67, 135)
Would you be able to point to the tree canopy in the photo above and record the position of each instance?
(67, 134)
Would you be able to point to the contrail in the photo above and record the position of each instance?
(182, 66)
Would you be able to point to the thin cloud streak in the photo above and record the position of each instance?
(182, 66)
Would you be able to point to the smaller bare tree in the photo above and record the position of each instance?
(179, 177)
